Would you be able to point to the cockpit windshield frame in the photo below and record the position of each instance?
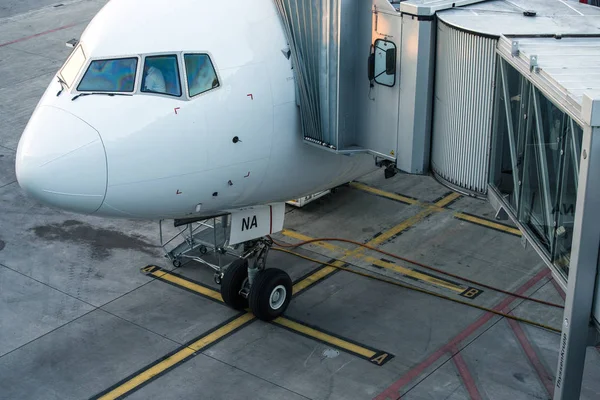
(141, 60)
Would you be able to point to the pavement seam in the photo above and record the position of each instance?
(35, 54)
(8, 184)
(131, 291)
(140, 326)
(8, 148)
(47, 333)
(256, 376)
(48, 285)
(95, 308)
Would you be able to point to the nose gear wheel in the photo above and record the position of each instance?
(270, 294)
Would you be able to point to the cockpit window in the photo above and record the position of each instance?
(116, 75)
(201, 75)
(71, 69)
(161, 75)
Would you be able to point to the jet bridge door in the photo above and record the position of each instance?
(331, 42)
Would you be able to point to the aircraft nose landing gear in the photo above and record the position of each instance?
(270, 294)
(267, 292)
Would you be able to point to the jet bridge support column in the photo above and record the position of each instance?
(416, 93)
(583, 268)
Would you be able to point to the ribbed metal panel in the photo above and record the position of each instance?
(313, 28)
(464, 98)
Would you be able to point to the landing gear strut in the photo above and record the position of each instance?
(248, 283)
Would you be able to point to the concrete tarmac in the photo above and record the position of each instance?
(81, 318)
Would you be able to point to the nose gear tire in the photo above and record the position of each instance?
(270, 294)
(232, 283)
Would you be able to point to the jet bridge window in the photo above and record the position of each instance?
(161, 75)
(201, 75)
(117, 75)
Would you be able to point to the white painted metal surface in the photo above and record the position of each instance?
(566, 70)
(322, 35)
(505, 17)
(256, 222)
(463, 105)
(168, 157)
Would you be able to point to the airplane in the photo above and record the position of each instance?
(183, 111)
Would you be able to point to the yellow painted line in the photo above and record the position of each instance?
(176, 358)
(359, 251)
(376, 357)
(164, 275)
(414, 274)
(440, 205)
(415, 219)
(224, 330)
(304, 238)
(447, 200)
(314, 278)
(343, 344)
(382, 193)
(489, 224)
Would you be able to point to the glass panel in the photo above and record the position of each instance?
(73, 65)
(532, 210)
(506, 160)
(109, 76)
(385, 62)
(161, 75)
(554, 126)
(568, 197)
(201, 75)
(536, 149)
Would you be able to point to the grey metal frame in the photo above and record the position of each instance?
(193, 243)
(511, 131)
(541, 158)
(582, 272)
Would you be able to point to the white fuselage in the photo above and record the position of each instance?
(154, 156)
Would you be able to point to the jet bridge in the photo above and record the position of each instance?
(347, 57)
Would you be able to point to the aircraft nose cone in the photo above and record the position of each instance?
(61, 161)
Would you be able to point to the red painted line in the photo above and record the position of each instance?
(559, 289)
(543, 374)
(465, 375)
(37, 35)
(392, 392)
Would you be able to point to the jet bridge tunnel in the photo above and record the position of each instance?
(498, 99)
